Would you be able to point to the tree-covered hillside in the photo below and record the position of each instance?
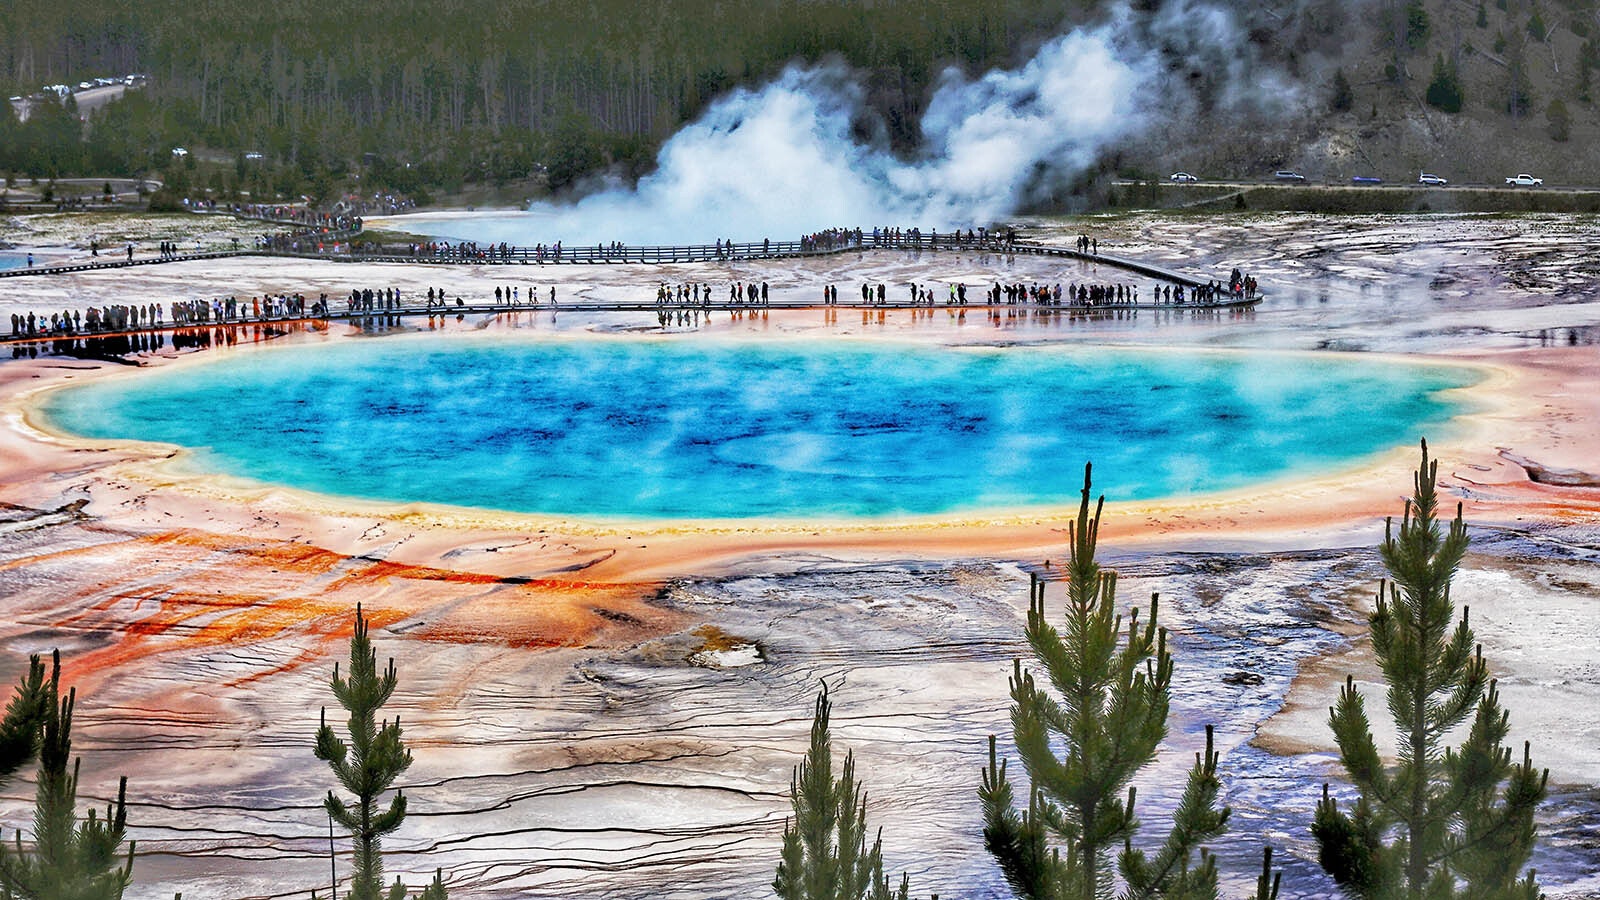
(472, 88)
(414, 94)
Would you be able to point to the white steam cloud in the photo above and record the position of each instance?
(783, 160)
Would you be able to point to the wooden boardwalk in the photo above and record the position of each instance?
(624, 256)
(621, 256)
(116, 262)
(114, 258)
(396, 316)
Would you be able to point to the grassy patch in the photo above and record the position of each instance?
(715, 640)
(390, 237)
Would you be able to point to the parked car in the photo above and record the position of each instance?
(252, 156)
(1184, 177)
(1366, 179)
(1432, 179)
(179, 152)
(1526, 181)
(1286, 175)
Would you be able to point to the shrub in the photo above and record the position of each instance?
(1559, 122)
(1444, 92)
(1343, 97)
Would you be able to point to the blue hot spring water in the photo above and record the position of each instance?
(691, 429)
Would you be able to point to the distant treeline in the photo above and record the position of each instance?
(415, 95)
(463, 91)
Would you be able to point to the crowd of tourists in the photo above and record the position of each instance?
(1089, 295)
(120, 317)
(691, 295)
(1239, 287)
(377, 204)
(670, 301)
(278, 212)
(1000, 294)
(311, 230)
(514, 296)
(686, 304)
(257, 309)
(93, 320)
(699, 294)
(917, 238)
(318, 239)
(369, 300)
(847, 238)
(464, 251)
(721, 248)
(831, 239)
(472, 251)
(683, 295)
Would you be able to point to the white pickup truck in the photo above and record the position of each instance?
(1526, 181)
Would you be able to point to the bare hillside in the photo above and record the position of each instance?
(1525, 74)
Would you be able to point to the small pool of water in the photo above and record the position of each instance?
(690, 430)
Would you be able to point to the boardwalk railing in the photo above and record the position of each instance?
(727, 252)
(335, 246)
(111, 261)
(668, 309)
(702, 253)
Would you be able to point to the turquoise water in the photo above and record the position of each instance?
(734, 430)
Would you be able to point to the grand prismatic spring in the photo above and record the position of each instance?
(614, 547)
(648, 429)
(613, 560)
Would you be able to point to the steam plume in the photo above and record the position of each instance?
(782, 160)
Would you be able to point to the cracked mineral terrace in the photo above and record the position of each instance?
(613, 709)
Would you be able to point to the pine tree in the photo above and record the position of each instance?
(1588, 61)
(1441, 822)
(1343, 97)
(1417, 25)
(1536, 27)
(1444, 91)
(825, 852)
(1519, 90)
(1113, 687)
(1558, 120)
(367, 766)
(435, 889)
(24, 717)
(68, 859)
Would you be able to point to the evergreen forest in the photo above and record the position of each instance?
(463, 91)
(416, 97)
